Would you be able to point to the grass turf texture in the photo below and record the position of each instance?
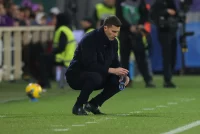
(135, 110)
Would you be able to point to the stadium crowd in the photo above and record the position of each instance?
(27, 14)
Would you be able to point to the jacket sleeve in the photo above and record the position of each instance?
(89, 56)
(115, 62)
(62, 44)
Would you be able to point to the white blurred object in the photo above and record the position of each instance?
(55, 10)
(39, 17)
(44, 90)
(60, 76)
(58, 73)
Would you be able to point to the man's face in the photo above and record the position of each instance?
(111, 32)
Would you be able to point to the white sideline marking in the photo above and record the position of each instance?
(137, 112)
(61, 129)
(110, 118)
(188, 99)
(172, 103)
(78, 125)
(148, 108)
(183, 128)
(9, 100)
(123, 114)
(2, 116)
(89, 122)
(161, 106)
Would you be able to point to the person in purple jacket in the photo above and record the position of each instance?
(5, 20)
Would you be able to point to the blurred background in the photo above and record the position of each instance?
(27, 30)
(18, 47)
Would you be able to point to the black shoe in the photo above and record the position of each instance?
(91, 108)
(169, 85)
(78, 111)
(150, 85)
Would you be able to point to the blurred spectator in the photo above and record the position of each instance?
(41, 19)
(36, 8)
(18, 16)
(133, 38)
(32, 19)
(41, 7)
(72, 7)
(1, 2)
(87, 24)
(11, 7)
(7, 3)
(5, 20)
(54, 11)
(26, 3)
(2, 10)
(27, 12)
(63, 49)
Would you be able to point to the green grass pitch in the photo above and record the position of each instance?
(135, 110)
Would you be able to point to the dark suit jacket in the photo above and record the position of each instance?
(95, 53)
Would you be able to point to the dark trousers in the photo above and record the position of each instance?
(26, 59)
(134, 43)
(87, 82)
(168, 43)
(47, 61)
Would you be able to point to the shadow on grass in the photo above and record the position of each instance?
(61, 115)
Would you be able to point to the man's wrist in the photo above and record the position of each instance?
(111, 70)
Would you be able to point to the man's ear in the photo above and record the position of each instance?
(105, 27)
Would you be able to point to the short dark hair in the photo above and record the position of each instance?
(112, 20)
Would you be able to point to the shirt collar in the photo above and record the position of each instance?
(104, 38)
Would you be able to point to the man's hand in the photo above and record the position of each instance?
(127, 79)
(171, 12)
(118, 71)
